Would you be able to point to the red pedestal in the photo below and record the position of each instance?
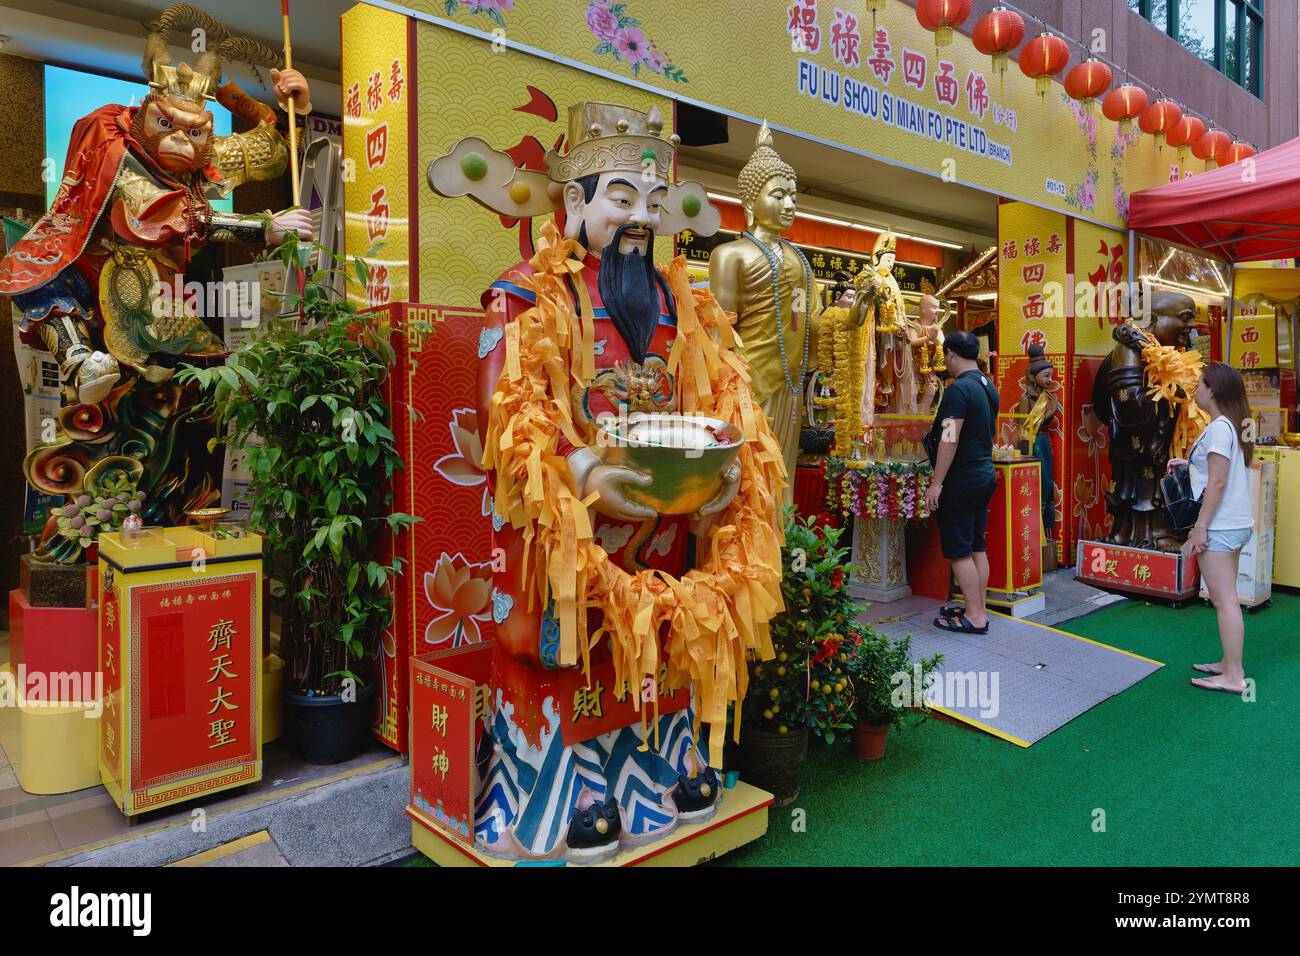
(927, 570)
(1015, 528)
(52, 641)
(810, 495)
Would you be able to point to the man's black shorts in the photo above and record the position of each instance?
(963, 515)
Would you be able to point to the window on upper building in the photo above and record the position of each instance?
(1227, 34)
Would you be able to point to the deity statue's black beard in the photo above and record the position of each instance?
(629, 287)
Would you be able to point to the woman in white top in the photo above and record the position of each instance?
(1218, 461)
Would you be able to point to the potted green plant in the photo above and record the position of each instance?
(312, 389)
(887, 685)
(805, 690)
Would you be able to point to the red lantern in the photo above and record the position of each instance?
(1087, 81)
(940, 16)
(1213, 148)
(1239, 151)
(1159, 118)
(1043, 58)
(996, 34)
(1186, 134)
(1123, 105)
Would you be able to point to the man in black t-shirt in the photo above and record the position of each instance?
(964, 481)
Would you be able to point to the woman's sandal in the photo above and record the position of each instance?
(1218, 688)
(1206, 669)
(952, 610)
(960, 624)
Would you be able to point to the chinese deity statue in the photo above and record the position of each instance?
(927, 351)
(768, 283)
(1143, 395)
(626, 627)
(1041, 407)
(95, 277)
(890, 385)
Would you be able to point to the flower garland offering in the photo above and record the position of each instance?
(894, 490)
(840, 345)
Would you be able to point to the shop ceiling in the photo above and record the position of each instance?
(873, 193)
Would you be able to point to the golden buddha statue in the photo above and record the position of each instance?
(768, 283)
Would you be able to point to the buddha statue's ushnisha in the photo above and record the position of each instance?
(768, 283)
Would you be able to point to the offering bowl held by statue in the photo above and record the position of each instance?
(685, 456)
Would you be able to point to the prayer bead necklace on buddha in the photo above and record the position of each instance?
(775, 263)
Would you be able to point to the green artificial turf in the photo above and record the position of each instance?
(1185, 777)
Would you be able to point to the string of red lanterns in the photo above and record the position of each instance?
(997, 34)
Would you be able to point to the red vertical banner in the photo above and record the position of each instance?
(449, 701)
(1014, 529)
(444, 599)
(1025, 541)
(193, 707)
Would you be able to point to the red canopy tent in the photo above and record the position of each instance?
(1246, 210)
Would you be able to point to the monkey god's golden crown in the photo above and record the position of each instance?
(182, 82)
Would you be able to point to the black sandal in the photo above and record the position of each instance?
(960, 624)
(952, 610)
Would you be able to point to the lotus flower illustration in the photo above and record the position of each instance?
(466, 466)
(463, 592)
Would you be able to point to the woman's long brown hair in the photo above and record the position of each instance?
(1229, 392)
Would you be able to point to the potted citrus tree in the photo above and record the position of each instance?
(312, 390)
(805, 691)
(887, 685)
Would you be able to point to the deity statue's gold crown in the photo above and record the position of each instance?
(764, 164)
(182, 82)
(604, 138)
(885, 242)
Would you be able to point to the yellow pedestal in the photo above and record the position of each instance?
(180, 648)
(54, 748)
(741, 819)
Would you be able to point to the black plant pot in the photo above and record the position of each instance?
(774, 762)
(327, 729)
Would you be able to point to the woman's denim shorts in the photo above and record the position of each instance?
(1231, 540)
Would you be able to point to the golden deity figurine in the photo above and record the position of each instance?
(927, 351)
(768, 283)
(890, 380)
